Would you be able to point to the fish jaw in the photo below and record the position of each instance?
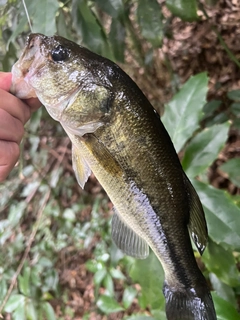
(25, 68)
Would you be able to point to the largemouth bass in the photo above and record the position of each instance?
(116, 134)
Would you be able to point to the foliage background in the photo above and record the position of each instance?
(57, 259)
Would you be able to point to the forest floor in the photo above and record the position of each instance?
(193, 48)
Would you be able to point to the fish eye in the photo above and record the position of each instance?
(59, 53)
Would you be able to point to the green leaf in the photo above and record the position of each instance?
(150, 17)
(210, 107)
(48, 310)
(232, 169)
(222, 263)
(159, 314)
(44, 16)
(224, 309)
(182, 114)
(235, 108)
(23, 281)
(20, 28)
(117, 274)
(222, 215)
(89, 28)
(114, 8)
(16, 213)
(108, 305)
(149, 274)
(31, 312)
(3, 289)
(117, 39)
(108, 284)
(19, 313)
(204, 149)
(222, 289)
(62, 28)
(185, 9)
(234, 95)
(128, 296)
(14, 302)
(99, 276)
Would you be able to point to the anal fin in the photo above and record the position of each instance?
(127, 240)
(80, 167)
(197, 224)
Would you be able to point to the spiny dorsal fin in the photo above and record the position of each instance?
(80, 167)
(127, 240)
(197, 224)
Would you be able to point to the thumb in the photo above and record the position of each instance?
(5, 80)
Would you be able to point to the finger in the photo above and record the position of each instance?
(33, 103)
(11, 128)
(9, 154)
(14, 106)
(5, 80)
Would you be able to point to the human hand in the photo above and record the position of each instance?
(14, 113)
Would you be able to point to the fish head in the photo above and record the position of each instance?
(69, 80)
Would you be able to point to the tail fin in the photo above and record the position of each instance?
(187, 305)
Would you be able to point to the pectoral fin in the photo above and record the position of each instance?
(80, 167)
(197, 224)
(127, 240)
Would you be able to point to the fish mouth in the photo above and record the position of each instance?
(29, 64)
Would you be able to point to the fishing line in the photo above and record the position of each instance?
(28, 18)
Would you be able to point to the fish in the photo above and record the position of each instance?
(118, 135)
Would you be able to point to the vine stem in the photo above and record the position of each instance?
(26, 252)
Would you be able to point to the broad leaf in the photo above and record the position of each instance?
(204, 149)
(222, 263)
(23, 281)
(117, 39)
(185, 9)
(128, 295)
(182, 114)
(224, 309)
(108, 284)
(31, 310)
(14, 302)
(149, 274)
(114, 8)
(62, 27)
(222, 289)
(44, 17)
(159, 314)
(108, 304)
(19, 313)
(150, 17)
(99, 276)
(210, 107)
(90, 29)
(232, 169)
(234, 95)
(48, 310)
(222, 215)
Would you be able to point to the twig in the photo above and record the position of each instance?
(26, 252)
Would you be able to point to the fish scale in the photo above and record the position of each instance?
(118, 136)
